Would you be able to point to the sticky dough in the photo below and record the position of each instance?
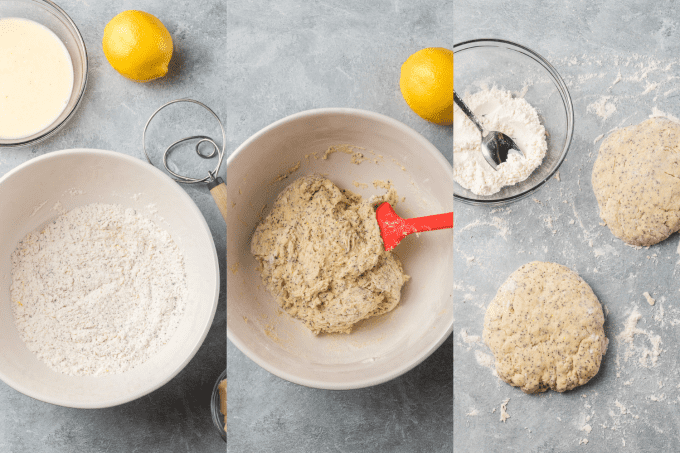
(322, 257)
(636, 180)
(545, 329)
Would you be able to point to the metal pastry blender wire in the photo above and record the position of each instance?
(216, 185)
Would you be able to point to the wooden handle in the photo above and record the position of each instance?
(219, 193)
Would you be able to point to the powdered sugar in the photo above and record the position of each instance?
(497, 110)
(98, 291)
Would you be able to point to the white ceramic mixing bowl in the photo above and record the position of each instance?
(380, 348)
(27, 196)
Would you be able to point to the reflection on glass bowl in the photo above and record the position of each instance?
(217, 416)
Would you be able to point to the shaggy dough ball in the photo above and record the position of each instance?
(544, 328)
(322, 256)
(636, 180)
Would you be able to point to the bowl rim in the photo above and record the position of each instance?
(562, 89)
(425, 353)
(217, 416)
(154, 385)
(80, 43)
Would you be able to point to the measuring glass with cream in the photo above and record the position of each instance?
(36, 77)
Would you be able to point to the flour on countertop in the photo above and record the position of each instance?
(640, 77)
(628, 334)
(497, 110)
(660, 312)
(603, 107)
(469, 339)
(98, 291)
(500, 224)
(656, 113)
(504, 412)
(486, 360)
(622, 408)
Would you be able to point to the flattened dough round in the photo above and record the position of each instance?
(636, 180)
(544, 328)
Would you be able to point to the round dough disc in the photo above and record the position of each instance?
(544, 328)
(636, 180)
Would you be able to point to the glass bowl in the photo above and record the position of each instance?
(515, 68)
(217, 416)
(51, 16)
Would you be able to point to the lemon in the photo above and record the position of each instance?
(137, 45)
(427, 84)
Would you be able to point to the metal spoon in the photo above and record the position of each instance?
(495, 145)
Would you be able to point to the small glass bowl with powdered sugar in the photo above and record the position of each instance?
(509, 85)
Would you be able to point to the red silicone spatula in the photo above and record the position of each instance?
(393, 228)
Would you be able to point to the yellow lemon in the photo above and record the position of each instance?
(137, 45)
(427, 84)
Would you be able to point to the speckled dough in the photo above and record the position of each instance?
(636, 180)
(322, 256)
(544, 328)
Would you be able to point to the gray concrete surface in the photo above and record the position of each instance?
(628, 407)
(175, 418)
(290, 56)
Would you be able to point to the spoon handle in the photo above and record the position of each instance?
(467, 111)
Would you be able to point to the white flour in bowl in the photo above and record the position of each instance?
(97, 291)
(497, 110)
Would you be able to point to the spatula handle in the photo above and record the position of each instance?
(431, 222)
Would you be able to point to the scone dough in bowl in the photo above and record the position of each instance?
(636, 180)
(545, 329)
(321, 255)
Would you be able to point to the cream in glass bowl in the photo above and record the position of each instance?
(36, 77)
(43, 71)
